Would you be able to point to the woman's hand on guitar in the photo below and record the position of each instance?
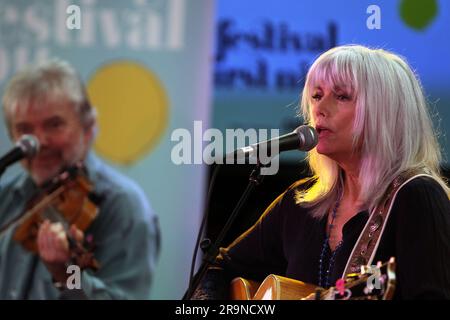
(53, 247)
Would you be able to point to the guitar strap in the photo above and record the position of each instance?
(366, 246)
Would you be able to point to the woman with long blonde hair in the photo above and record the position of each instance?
(376, 185)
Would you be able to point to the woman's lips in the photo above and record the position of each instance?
(323, 131)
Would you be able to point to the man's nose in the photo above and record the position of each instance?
(43, 138)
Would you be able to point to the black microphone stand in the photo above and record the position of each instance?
(211, 250)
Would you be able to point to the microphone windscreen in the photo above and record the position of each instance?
(309, 137)
(29, 145)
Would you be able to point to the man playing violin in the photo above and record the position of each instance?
(50, 102)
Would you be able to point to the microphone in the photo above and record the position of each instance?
(26, 147)
(303, 138)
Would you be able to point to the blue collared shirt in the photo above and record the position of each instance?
(125, 233)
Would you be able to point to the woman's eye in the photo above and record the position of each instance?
(343, 97)
(316, 97)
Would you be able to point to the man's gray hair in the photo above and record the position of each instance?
(48, 81)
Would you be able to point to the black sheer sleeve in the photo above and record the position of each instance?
(422, 240)
(250, 256)
(255, 254)
(258, 251)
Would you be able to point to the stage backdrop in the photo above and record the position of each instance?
(147, 65)
(264, 48)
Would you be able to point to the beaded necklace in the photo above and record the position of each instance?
(325, 282)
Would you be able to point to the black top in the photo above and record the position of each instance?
(288, 241)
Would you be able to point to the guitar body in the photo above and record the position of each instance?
(370, 284)
(272, 288)
(243, 289)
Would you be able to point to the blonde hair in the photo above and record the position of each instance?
(392, 125)
(50, 80)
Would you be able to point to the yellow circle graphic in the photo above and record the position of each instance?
(132, 108)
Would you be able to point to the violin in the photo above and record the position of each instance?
(68, 199)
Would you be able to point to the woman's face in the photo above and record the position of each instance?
(333, 112)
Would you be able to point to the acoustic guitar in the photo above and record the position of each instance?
(370, 284)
